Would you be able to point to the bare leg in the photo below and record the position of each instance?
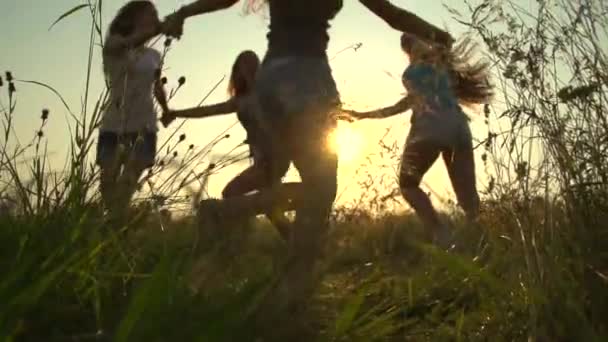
(128, 183)
(416, 161)
(318, 170)
(108, 184)
(461, 168)
(421, 203)
(254, 178)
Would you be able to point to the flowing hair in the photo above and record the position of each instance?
(123, 23)
(253, 6)
(470, 77)
(242, 76)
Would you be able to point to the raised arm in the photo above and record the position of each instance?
(402, 106)
(405, 21)
(174, 24)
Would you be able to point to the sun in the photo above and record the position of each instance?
(346, 141)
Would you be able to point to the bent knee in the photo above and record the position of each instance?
(409, 181)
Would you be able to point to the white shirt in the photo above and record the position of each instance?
(131, 75)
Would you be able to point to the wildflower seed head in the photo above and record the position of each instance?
(9, 76)
(227, 136)
(212, 166)
(181, 81)
(168, 42)
(182, 137)
(45, 114)
(191, 147)
(163, 80)
(175, 154)
(1, 81)
(40, 134)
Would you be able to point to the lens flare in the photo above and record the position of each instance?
(346, 141)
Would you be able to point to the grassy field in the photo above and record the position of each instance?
(535, 268)
(67, 277)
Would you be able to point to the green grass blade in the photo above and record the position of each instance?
(68, 13)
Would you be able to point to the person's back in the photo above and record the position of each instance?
(436, 114)
(131, 76)
(246, 111)
(299, 27)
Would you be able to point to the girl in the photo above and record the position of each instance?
(298, 96)
(127, 132)
(436, 81)
(242, 101)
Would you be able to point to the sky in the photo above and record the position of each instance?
(367, 78)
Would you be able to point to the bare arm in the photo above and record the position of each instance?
(174, 24)
(204, 6)
(402, 106)
(406, 21)
(226, 107)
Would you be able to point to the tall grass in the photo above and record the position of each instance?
(535, 268)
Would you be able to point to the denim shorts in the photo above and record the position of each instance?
(118, 148)
(297, 97)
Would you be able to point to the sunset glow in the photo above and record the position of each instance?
(347, 142)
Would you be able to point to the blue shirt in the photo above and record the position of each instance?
(431, 88)
(436, 114)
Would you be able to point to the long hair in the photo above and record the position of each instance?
(243, 73)
(470, 78)
(253, 6)
(123, 23)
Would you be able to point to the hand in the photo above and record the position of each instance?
(167, 118)
(347, 115)
(173, 26)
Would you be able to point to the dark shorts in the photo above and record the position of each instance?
(418, 158)
(297, 97)
(118, 148)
